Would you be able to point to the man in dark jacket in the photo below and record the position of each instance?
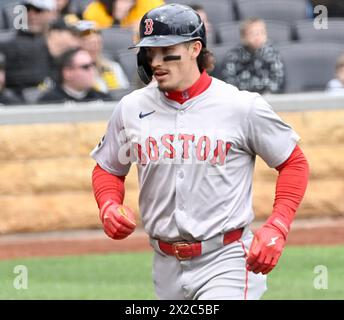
(255, 65)
(7, 97)
(76, 79)
(27, 54)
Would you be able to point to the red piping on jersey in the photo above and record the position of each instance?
(107, 186)
(197, 88)
(290, 188)
(246, 276)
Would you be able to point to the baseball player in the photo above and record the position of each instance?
(194, 140)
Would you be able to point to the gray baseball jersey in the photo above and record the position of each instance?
(195, 160)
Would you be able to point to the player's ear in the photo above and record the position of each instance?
(196, 48)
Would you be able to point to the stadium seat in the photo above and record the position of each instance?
(281, 10)
(6, 35)
(79, 6)
(116, 39)
(309, 66)
(8, 15)
(31, 95)
(229, 32)
(277, 31)
(218, 11)
(2, 19)
(127, 60)
(305, 31)
(220, 52)
(3, 3)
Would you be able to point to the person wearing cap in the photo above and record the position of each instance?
(60, 37)
(7, 97)
(109, 73)
(126, 13)
(40, 13)
(76, 70)
(27, 53)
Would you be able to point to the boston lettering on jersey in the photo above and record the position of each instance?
(192, 148)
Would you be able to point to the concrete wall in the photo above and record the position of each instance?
(45, 172)
(322, 140)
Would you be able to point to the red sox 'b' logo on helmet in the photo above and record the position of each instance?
(148, 27)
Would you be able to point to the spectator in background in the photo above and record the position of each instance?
(126, 13)
(40, 14)
(109, 73)
(27, 54)
(255, 65)
(7, 97)
(76, 79)
(336, 85)
(60, 37)
(211, 32)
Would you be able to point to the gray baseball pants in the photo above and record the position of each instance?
(217, 275)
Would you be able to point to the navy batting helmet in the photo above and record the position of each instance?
(164, 26)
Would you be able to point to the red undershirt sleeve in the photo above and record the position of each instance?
(290, 189)
(107, 186)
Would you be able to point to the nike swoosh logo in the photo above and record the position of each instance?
(142, 115)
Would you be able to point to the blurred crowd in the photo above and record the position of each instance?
(59, 55)
(63, 50)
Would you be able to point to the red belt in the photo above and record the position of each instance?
(187, 250)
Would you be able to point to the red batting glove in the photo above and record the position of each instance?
(118, 220)
(266, 248)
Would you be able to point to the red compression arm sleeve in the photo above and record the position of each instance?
(290, 189)
(107, 186)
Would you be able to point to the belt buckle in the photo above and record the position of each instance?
(175, 247)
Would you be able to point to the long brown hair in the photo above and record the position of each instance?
(206, 60)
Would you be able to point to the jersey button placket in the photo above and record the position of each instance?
(180, 122)
(180, 197)
(180, 201)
